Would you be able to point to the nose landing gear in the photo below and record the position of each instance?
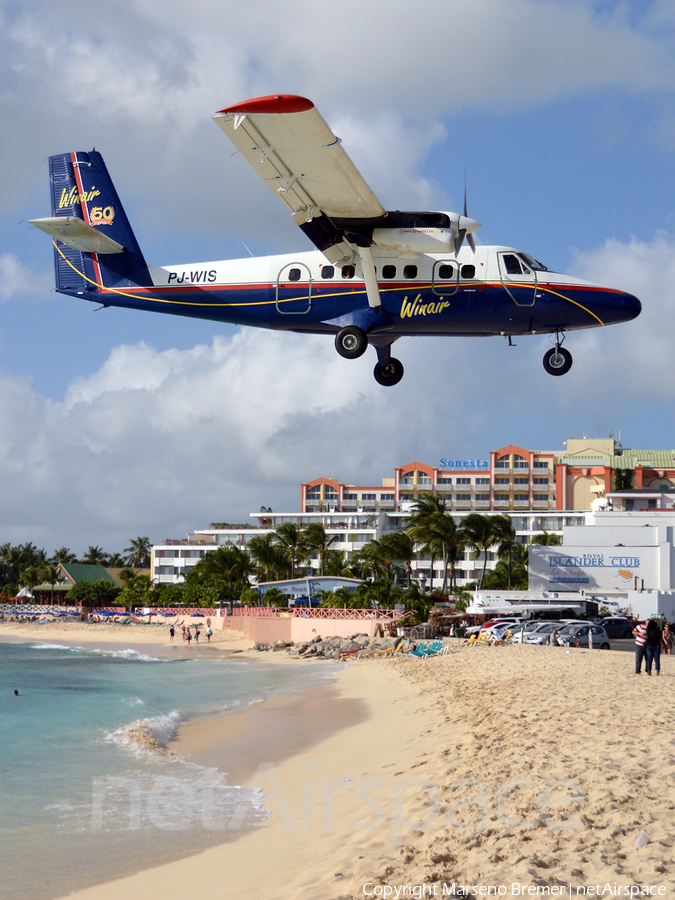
(558, 361)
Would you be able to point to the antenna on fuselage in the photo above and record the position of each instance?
(247, 250)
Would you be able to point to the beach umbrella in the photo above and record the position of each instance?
(168, 614)
(197, 616)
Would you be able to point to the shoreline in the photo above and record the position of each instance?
(505, 766)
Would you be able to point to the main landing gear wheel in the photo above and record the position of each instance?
(389, 374)
(351, 342)
(557, 361)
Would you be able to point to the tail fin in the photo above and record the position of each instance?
(95, 245)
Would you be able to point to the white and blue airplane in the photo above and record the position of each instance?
(376, 275)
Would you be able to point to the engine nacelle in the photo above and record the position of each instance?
(417, 240)
(421, 239)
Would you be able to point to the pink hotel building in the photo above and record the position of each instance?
(510, 478)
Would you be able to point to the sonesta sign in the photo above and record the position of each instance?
(463, 463)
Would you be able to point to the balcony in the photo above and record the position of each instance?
(502, 504)
(482, 504)
(521, 504)
(540, 504)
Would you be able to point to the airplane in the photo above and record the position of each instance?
(376, 275)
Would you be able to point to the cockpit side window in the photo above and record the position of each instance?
(512, 264)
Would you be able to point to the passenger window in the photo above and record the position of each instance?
(327, 272)
(389, 271)
(468, 271)
(294, 275)
(348, 271)
(446, 271)
(410, 272)
(512, 264)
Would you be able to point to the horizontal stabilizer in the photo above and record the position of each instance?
(77, 234)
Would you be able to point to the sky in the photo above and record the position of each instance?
(117, 423)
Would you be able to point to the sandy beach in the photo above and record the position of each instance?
(512, 768)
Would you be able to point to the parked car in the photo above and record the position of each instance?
(569, 635)
(617, 627)
(542, 633)
(521, 632)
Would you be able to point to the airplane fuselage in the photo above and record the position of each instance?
(471, 295)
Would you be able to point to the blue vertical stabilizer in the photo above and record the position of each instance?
(82, 188)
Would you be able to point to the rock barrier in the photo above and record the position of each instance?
(334, 647)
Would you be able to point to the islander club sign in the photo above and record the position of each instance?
(463, 463)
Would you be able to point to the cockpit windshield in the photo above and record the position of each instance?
(532, 262)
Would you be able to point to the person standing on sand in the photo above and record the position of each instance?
(188, 637)
(183, 633)
(172, 632)
(208, 633)
(653, 647)
(667, 640)
(640, 632)
(196, 634)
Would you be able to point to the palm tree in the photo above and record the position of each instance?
(229, 564)
(138, 553)
(51, 575)
(547, 540)
(117, 561)
(399, 546)
(373, 561)
(434, 528)
(292, 539)
(505, 536)
(479, 535)
(267, 556)
(316, 538)
(95, 556)
(29, 577)
(63, 556)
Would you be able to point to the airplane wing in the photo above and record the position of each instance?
(290, 144)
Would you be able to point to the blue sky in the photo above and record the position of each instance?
(116, 423)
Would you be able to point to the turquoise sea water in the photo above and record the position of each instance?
(80, 801)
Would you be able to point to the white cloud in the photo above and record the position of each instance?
(15, 278)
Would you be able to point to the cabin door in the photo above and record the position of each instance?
(294, 290)
(518, 278)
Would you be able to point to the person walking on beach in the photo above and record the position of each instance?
(208, 633)
(653, 647)
(667, 640)
(188, 637)
(640, 632)
(553, 639)
(196, 634)
(183, 633)
(172, 632)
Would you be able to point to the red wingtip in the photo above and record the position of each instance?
(275, 103)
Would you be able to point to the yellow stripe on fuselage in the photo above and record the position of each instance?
(418, 287)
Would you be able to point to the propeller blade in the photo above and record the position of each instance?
(459, 240)
(466, 214)
(472, 243)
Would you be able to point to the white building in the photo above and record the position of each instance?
(618, 551)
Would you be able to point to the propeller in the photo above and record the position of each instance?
(462, 232)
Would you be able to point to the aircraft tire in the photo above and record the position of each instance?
(351, 342)
(390, 374)
(557, 362)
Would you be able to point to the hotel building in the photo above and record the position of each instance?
(510, 478)
(539, 491)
